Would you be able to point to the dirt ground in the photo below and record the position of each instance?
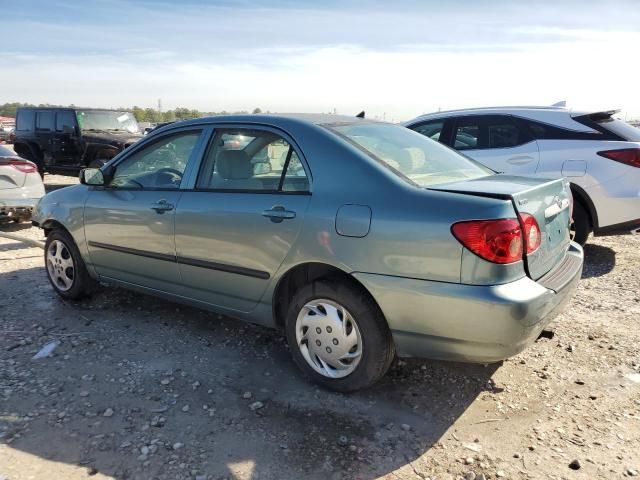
(140, 388)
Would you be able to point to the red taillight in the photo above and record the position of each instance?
(532, 235)
(629, 156)
(499, 241)
(23, 166)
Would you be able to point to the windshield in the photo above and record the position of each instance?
(423, 161)
(107, 120)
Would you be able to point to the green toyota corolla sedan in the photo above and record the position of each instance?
(360, 239)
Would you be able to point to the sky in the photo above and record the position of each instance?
(393, 59)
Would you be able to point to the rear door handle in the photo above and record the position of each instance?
(520, 160)
(162, 206)
(278, 214)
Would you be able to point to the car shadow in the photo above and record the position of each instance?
(598, 260)
(185, 384)
(11, 227)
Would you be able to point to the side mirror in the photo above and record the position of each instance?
(67, 130)
(92, 176)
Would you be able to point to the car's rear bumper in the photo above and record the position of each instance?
(17, 208)
(470, 323)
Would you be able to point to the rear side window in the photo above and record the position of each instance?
(65, 119)
(24, 122)
(44, 121)
(543, 131)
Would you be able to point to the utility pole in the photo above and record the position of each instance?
(160, 105)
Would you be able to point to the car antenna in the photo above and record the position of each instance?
(360, 115)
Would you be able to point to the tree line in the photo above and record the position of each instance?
(142, 114)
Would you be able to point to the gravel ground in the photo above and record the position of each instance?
(140, 388)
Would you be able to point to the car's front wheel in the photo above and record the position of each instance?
(65, 268)
(338, 336)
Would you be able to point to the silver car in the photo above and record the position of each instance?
(360, 239)
(21, 187)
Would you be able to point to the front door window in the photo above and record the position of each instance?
(160, 165)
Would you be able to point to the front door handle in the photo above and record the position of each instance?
(278, 213)
(162, 206)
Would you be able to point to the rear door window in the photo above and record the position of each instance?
(252, 161)
(489, 131)
(467, 134)
(44, 121)
(503, 134)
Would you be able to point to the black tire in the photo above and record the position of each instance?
(581, 227)
(82, 284)
(378, 350)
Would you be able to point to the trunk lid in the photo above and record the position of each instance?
(549, 201)
(10, 177)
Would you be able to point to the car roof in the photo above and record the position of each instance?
(275, 119)
(560, 116)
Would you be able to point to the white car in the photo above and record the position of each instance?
(21, 187)
(600, 155)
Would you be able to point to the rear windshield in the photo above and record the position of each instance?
(409, 154)
(620, 128)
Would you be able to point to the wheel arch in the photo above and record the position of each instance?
(22, 147)
(581, 196)
(303, 274)
(51, 224)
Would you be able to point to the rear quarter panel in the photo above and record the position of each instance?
(409, 235)
(613, 187)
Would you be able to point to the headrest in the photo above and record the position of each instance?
(233, 165)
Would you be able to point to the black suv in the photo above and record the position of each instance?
(64, 140)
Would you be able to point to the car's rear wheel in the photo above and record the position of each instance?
(338, 336)
(581, 227)
(65, 268)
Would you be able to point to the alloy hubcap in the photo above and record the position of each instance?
(329, 338)
(60, 265)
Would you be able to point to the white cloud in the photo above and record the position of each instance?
(378, 67)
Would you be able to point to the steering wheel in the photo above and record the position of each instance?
(177, 174)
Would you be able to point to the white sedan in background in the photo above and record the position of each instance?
(21, 187)
(600, 155)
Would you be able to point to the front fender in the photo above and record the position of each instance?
(65, 208)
